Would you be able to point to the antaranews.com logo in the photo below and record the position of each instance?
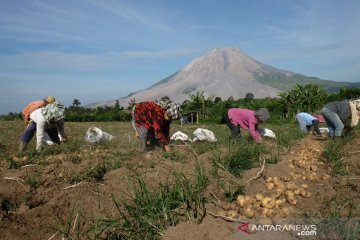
(300, 229)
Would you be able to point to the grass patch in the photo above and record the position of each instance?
(175, 156)
(7, 205)
(93, 173)
(151, 211)
(239, 159)
(33, 180)
(332, 154)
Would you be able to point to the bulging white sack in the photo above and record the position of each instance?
(95, 134)
(265, 132)
(202, 134)
(179, 136)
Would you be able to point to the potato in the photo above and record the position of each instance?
(259, 197)
(232, 214)
(305, 194)
(290, 186)
(268, 202)
(279, 203)
(289, 193)
(269, 179)
(270, 185)
(264, 211)
(297, 191)
(249, 200)
(292, 200)
(240, 200)
(248, 212)
(305, 186)
(285, 179)
(271, 213)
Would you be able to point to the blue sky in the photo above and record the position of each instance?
(98, 50)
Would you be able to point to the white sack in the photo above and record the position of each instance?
(265, 132)
(179, 136)
(95, 134)
(324, 130)
(202, 134)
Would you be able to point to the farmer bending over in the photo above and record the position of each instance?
(237, 118)
(306, 121)
(341, 114)
(48, 119)
(33, 106)
(152, 123)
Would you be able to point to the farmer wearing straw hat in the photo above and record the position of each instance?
(48, 119)
(33, 106)
(152, 123)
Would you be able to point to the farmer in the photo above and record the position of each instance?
(48, 119)
(237, 118)
(33, 106)
(342, 114)
(306, 121)
(152, 123)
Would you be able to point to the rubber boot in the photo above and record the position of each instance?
(22, 146)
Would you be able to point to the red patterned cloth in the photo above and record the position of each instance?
(151, 116)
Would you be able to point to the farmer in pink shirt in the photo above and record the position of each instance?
(237, 118)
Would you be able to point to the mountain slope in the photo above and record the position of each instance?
(223, 72)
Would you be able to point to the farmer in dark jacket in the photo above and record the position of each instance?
(339, 115)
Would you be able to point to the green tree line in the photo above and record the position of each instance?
(211, 109)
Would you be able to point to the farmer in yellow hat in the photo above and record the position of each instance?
(33, 106)
(46, 120)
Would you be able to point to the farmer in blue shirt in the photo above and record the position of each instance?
(306, 121)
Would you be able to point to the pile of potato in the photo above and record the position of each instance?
(283, 193)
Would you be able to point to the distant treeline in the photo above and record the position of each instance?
(211, 109)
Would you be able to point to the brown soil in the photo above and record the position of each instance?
(324, 189)
(47, 202)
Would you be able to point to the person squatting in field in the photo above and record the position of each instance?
(33, 106)
(151, 121)
(48, 120)
(306, 121)
(237, 118)
(339, 115)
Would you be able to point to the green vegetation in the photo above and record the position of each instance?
(151, 211)
(297, 96)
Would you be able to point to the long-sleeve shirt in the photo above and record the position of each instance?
(307, 118)
(151, 116)
(30, 108)
(342, 109)
(42, 124)
(245, 119)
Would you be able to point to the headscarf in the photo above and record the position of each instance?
(53, 111)
(355, 112)
(173, 110)
(262, 114)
